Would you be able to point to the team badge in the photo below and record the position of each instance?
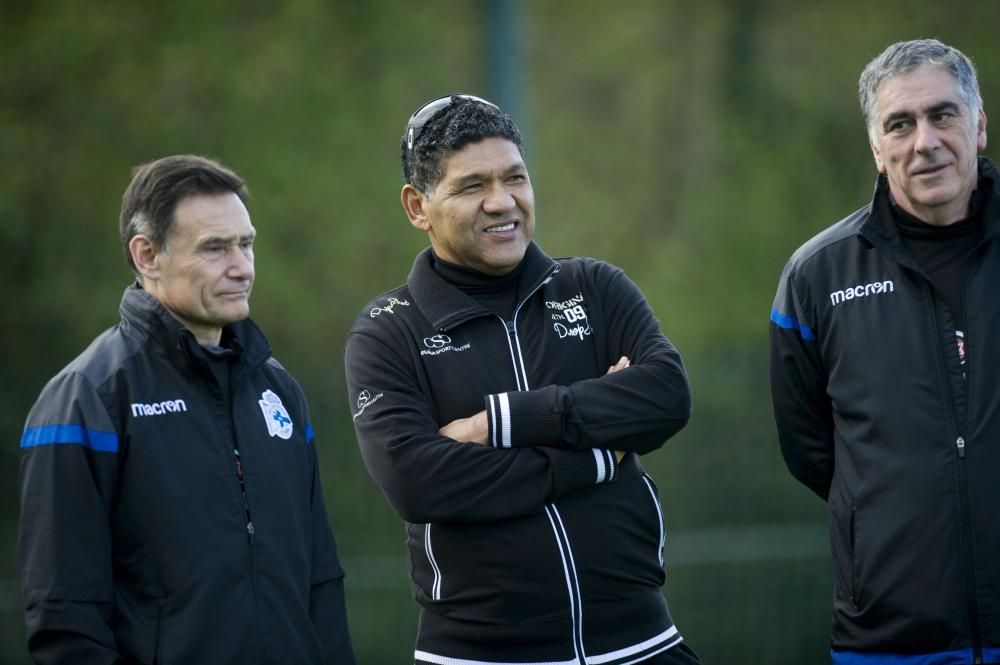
(279, 423)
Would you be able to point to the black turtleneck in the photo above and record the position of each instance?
(219, 360)
(497, 294)
(941, 251)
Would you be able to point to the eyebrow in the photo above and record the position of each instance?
(228, 240)
(479, 176)
(932, 110)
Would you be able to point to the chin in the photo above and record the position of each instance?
(233, 316)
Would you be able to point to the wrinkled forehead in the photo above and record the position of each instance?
(212, 215)
(918, 89)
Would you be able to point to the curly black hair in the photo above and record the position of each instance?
(462, 122)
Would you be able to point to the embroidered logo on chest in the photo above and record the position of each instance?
(569, 317)
(438, 344)
(279, 423)
(861, 291)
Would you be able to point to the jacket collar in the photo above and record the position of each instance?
(880, 229)
(146, 313)
(445, 306)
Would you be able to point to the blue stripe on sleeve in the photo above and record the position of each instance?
(309, 433)
(959, 657)
(790, 323)
(49, 435)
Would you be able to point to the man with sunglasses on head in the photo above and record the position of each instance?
(501, 400)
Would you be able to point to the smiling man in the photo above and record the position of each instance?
(171, 508)
(884, 349)
(501, 400)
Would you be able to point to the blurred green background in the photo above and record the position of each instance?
(693, 144)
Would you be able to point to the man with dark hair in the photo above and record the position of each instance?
(884, 347)
(501, 399)
(171, 508)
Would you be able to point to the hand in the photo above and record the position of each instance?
(473, 429)
(622, 363)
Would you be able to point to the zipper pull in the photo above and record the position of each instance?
(250, 531)
(960, 442)
(510, 327)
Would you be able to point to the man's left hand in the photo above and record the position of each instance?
(473, 429)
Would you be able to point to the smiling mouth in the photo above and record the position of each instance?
(502, 228)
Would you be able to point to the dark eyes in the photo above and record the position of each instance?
(941, 118)
(245, 245)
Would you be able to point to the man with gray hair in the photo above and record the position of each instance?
(885, 339)
(171, 508)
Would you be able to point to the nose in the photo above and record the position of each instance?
(498, 200)
(240, 264)
(927, 139)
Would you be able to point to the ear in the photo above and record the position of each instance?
(981, 133)
(877, 154)
(414, 202)
(144, 257)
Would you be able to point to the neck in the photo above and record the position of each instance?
(207, 337)
(943, 215)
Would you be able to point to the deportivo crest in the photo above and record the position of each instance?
(279, 423)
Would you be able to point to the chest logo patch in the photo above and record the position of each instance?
(569, 317)
(279, 423)
(438, 344)
(861, 291)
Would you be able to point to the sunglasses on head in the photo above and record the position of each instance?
(420, 117)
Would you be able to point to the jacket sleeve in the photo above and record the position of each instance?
(327, 606)
(430, 478)
(635, 409)
(69, 476)
(802, 408)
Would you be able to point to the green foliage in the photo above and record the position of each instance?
(693, 144)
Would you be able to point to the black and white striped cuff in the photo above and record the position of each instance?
(498, 414)
(607, 465)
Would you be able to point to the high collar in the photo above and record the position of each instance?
(880, 229)
(446, 306)
(146, 313)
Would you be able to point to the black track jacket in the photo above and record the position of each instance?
(135, 543)
(875, 416)
(539, 547)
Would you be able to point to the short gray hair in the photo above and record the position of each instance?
(902, 58)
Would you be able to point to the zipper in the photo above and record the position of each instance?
(965, 510)
(243, 493)
(249, 526)
(517, 358)
(963, 472)
(562, 538)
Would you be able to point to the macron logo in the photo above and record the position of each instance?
(158, 408)
(861, 291)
